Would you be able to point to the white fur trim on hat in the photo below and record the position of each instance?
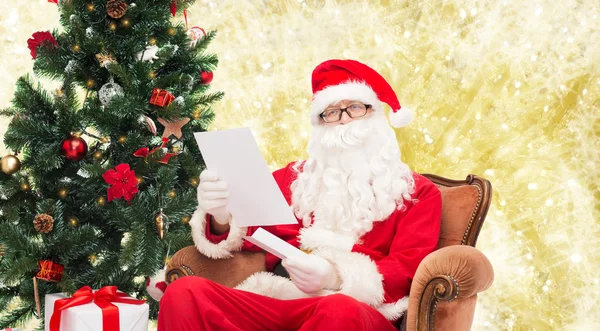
(221, 250)
(401, 118)
(347, 91)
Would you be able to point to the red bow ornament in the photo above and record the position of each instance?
(103, 298)
(145, 152)
(39, 38)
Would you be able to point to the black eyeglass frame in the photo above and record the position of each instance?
(345, 110)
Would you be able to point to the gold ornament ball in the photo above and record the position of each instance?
(195, 181)
(101, 201)
(76, 48)
(185, 219)
(126, 23)
(25, 187)
(152, 41)
(151, 75)
(171, 31)
(172, 194)
(140, 179)
(73, 221)
(104, 140)
(62, 193)
(112, 26)
(10, 164)
(91, 7)
(97, 155)
(90, 83)
(122, 139)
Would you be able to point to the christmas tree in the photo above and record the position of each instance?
(101, 179)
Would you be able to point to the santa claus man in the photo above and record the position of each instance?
(364, 217)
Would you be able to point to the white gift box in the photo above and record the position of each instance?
(88, 317)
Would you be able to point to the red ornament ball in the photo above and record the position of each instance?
(206, 77)
(74, 148)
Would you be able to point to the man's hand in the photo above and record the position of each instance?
(213, 197)
(311, 273)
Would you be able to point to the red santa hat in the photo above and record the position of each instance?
(336, 80)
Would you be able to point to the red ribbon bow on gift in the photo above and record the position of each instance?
(102, 298)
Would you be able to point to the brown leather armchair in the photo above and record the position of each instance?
(445, 287)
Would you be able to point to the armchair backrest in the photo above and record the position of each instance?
(465, 204)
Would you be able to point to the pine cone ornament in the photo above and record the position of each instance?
(116, 8)
(43, 223)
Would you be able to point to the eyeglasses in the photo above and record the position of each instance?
(355, 110)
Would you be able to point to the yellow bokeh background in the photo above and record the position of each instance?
(506, 89)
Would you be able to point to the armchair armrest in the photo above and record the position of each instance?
(453, 272)
(228, 272)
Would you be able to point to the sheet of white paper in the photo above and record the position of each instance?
(273, 244)
(255, 198)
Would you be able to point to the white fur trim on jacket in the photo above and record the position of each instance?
(360, 277)
(273, 286)
(314, 238)
(395, 310)
(222, 250)
(347, 91)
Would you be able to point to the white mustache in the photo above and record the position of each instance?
(346, 136)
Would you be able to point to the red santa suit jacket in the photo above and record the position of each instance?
(377, 269)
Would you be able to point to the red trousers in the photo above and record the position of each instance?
(195, 304)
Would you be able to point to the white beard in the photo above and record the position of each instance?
(353, 177)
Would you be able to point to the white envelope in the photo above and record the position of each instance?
(89, 317)
(255, 198)
(273, 244)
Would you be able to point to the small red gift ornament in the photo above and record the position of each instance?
(161, 98)
(49, 271)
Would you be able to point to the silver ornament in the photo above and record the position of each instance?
(108, 91)
(89, 32)
(148, 55)
(179, 101)
(71, 66)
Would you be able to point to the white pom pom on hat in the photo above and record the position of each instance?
(336, 80)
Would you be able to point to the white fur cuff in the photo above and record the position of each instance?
(221, 250)
(359, 274)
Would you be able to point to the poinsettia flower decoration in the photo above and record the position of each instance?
(123, 182)
(39, 38)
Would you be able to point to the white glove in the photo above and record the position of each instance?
(213, 196)
(311, 273)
